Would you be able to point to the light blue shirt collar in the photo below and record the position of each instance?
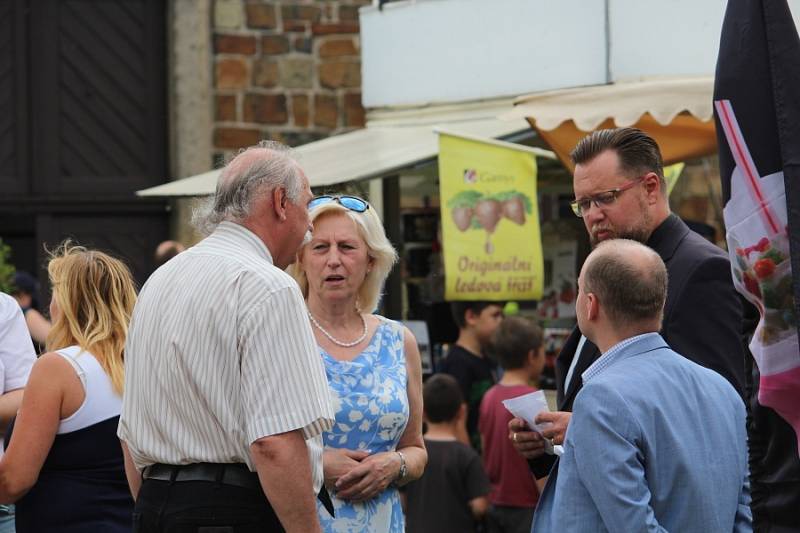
(613, 354)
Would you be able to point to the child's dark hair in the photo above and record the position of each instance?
(459, 310)
(513, 339)
(441, 398)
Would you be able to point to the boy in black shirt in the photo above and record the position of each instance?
(467, 362)
(452, 493)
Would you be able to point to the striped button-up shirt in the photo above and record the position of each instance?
(219, 354)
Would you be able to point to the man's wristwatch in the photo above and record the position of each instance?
(401, 475)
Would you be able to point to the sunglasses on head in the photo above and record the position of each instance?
(353, 203)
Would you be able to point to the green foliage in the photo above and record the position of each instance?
(6, 269)
(774, 254)
(464, 199)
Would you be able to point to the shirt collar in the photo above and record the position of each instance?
(247, 238)
(616, 353)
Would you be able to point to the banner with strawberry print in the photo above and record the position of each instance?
(757, 109)
(490, 220)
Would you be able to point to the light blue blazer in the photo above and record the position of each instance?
(656, 443)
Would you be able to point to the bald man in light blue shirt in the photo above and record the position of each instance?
(656, 442)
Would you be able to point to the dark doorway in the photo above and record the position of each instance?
(82, 127)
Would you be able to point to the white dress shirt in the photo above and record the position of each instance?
(219, 354)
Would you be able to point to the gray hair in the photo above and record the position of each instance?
(246, 178)
(631, 291)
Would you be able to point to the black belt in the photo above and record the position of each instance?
(235, 474)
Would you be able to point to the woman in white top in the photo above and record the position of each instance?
(63, 465)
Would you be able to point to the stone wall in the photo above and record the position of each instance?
(285, 70)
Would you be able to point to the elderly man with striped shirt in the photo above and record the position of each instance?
(225, 394)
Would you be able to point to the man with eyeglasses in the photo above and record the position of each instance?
(620, 192)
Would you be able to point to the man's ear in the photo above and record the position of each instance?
(652, 186)
(592, 306)
(279, 202)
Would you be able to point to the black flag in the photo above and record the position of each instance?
(757, 111)
(757, 104)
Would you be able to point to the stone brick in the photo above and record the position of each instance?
(261, 16)
(348, 13)
(274, 44)
(295, 26)
(296, 12)
(228, 14)
(302, 45)
(337, 74)
(296, 72)
(234, 44)
(231, 73)
(338, 47)
(265, 72)
(329, 28)
(225, 107)
(265, 108)
(354, 115)
(326, 112)
(236, 137)
(300, 109)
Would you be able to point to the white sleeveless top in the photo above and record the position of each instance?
(101, 402)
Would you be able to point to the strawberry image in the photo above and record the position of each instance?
(488, 211)
(514, 210)
(764, 268)
(462, 216)
(462, 208)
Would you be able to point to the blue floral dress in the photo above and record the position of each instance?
(371, 403)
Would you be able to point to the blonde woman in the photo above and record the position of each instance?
(63, 464)
(372, 364)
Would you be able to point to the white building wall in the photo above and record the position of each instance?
(432, 51)
(664, 37)
(423, 52)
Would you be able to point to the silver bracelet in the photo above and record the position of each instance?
(401, 475)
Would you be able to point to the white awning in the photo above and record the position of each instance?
(392, 140)
(622, 102)
(676, 112)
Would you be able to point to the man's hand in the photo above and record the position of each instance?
(558, 420)
(529, 444)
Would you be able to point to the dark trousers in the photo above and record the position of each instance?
(202, 507)
(504, 519)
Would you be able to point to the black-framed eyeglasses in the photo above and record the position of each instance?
(602, 199)
(353, 203)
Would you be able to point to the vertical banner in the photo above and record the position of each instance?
(757, 109)
(671, 175)
(490, 220)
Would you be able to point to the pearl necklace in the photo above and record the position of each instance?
(336, 341)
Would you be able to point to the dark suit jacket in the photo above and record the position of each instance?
(702, 316)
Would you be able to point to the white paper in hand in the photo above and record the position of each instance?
(527, 407)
